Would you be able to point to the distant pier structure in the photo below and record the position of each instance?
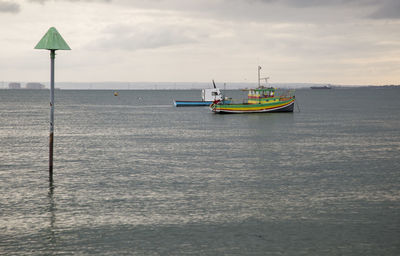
(14, 85)
(34, 86)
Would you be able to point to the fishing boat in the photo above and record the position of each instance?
(208, 96)
(259, 100)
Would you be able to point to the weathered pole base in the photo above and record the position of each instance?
(51, 157)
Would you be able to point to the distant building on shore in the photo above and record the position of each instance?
(14, 86)
(34, 86)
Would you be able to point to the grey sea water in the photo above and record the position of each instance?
(134, 175)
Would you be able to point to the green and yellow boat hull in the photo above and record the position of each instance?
(272, 105)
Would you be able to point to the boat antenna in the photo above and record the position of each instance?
(214, 84)
(259, 68)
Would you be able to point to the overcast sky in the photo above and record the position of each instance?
(318, 41)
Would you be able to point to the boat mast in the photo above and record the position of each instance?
(259, 68)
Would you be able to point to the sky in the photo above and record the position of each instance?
(346, 42)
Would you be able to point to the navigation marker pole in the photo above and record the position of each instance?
(52, 41)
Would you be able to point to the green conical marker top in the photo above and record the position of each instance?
(52, 40)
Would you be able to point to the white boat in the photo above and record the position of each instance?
(208, 96)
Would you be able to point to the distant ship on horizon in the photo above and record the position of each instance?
(321, 87)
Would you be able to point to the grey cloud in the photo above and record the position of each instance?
(382, 9)
(318, 3)
(389, 10)
(44, 1)
(268, 10)
(133, 38)
(8, 6)
(309, 11)
(377, 9)
(315, 3)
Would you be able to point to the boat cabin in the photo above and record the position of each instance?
(260, 95)
(211, 94)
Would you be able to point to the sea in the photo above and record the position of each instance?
(134, 175)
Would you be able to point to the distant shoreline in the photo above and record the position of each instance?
(181, 86)
(195, 89)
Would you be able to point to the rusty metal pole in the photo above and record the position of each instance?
(51, 135)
